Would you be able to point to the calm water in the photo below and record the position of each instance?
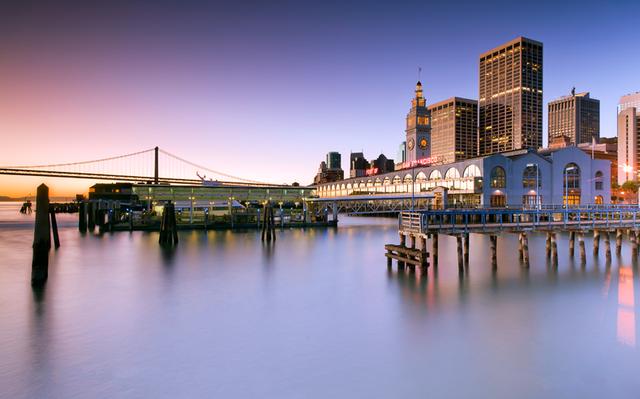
(317, 315)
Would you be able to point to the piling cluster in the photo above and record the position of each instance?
(168, 226)
(268, 224)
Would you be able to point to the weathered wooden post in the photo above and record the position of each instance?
(466, 249)
(403, 242)
(520, 247)
(273, 224)
(583, 253)
(434, 249)
(596, 242)
(41, 239)
(168, 227)
(460, 258)
(494, 251)
(618, 241)
(554, 249)
(607, 245)
(572, 242)
(54, 228)
(91, 216)
(548, 244)
(525, 249)
(412, 241)
(82, 217)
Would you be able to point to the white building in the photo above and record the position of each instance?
(515, 178)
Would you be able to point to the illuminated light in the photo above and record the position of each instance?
(371, 171)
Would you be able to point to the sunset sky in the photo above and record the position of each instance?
(264, 90)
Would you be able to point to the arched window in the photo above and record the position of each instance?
(435, 175)
(397, 179)
(498, 177)
(420, 177)
(408, 179)
(571, 176)
(531, 177)
(598, 180)
(452, 173)
(386, 181)
(472, 171)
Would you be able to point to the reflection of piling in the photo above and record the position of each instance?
(554, 249)
(525, 249)
(466, 249)
(91, 216)
(41, 238)
(168, 227)
(596, 242)
(548, 244)
(521, 247)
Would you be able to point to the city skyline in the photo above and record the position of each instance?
(253, 100)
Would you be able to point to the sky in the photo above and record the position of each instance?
(263, 90)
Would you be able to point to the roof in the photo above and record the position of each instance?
(514, 41)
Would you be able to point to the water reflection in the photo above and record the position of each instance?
(626, 326)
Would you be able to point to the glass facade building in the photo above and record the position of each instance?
(454, 129)
(576, 117)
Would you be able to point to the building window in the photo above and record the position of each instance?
(452, 173)
(498, 177)
(531, 177)
(498, 201)
(435, 175)
(472, 171)
(598, 180)
(571, 177)
(599, 200)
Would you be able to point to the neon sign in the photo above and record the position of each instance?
(371, 171)
(421, 162)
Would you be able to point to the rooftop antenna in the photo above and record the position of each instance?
(419, 72)
(573, 91)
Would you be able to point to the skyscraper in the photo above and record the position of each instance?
(510, 100)
(576, 117)
(454, 129)
(629, 101)
(418, 128)
(333, 160)
(628, 145)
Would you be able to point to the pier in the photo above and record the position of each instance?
(603, 221)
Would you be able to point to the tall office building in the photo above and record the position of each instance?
(576, 117)
(629, 101)
(401, 155)
(333, 160)
(454, 130)
(510, 101)
(628, 144)
(418, 130)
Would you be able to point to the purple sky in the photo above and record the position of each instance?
(263, 91)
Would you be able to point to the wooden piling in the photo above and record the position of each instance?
(548, 245)
(525, 249)
(168, 227)
(554, 249)
(583, 254)
(618, 241)
(494, 251)
(520, 247)
(466, 249)
(41, 239)
(460, 257)
(572, 243)
(82, 217)
(412, 241)
(607, 245)
(596, 242)
(54, 228)
(434, 249)
(91, 215)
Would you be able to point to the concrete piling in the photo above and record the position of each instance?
(41, 239)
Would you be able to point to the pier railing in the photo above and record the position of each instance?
(588, 217)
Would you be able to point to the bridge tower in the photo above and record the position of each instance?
(155, 169)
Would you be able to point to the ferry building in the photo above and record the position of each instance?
(516, 178)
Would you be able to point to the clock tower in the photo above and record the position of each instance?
(418, 128)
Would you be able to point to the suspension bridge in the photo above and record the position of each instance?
(153, 165)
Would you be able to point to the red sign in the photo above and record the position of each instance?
(421, 162)
(371, 172)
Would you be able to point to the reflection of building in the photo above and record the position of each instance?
(516, 178)
(628, 136)
(454, 129)
(418, 132)
(576, 117)
(359, 164)
(510, 102)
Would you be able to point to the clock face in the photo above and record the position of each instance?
(423, 143)
(411, 144)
